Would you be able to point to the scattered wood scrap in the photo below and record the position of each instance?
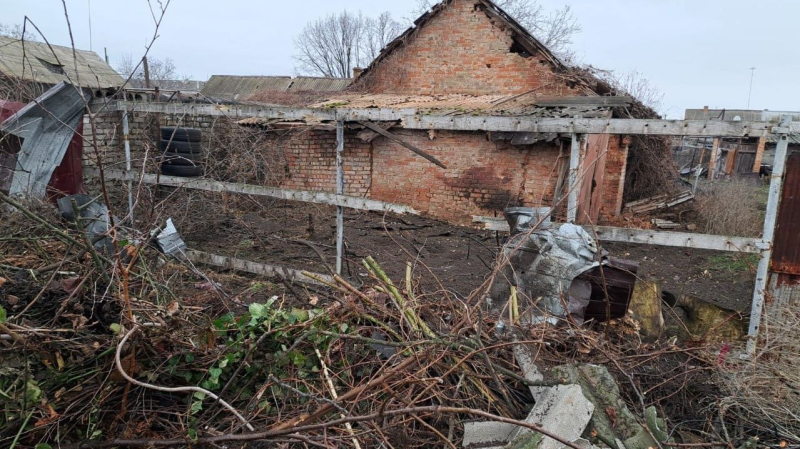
(658, 202)
(665, 224)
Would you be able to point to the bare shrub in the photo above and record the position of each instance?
(651, 168)
(732, 207)
(763, 394)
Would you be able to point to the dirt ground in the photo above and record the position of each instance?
(723, 278)
(302, 236)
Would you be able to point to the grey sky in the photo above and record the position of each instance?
(696, 52)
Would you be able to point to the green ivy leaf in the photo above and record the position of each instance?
(3, 315)
(297, 358)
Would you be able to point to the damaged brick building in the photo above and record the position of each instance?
(465, 57)
(461, 58)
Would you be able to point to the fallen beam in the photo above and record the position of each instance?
(210, 185)
(248, 266)
(402, 142)
(426, 120)
(651, 237)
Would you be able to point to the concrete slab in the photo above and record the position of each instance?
(562, 410)
(524, 358)
(488, 433)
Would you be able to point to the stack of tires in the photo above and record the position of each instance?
(181, 152)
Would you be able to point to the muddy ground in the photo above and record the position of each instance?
(302, 236)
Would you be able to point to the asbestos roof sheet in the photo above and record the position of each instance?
(466, 104)
(454, 104)
(244, 88)
(37, 62)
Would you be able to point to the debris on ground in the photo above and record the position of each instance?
(658, 202)
(152, 352)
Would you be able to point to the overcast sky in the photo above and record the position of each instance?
(696, 52)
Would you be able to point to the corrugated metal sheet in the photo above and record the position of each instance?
(243, 88)
(786, 249)
(36, 62)
(47, 127)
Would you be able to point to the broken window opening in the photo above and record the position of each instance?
(55, 68)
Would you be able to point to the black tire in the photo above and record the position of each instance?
(180, 147)
(181, 170)
(189, 159)
(180, 134)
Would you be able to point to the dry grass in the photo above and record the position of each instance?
(764, 396)
(732, 207)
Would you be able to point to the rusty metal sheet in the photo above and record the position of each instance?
(786, 249)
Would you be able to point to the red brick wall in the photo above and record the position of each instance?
(462, 51)
(482, 177)
(311, 161)
(614, 182)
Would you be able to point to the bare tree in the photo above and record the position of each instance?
(637, 86)
(554, 29)
(333, 45)
(380, 31)
(161, 70)
(16, 31)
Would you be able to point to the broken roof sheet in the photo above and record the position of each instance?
(243, 88)
(456, 104)
(38, 62)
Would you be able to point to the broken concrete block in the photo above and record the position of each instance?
(488, 433)
(602, 390)
(524, 358)
(562, 410)
(645, 308)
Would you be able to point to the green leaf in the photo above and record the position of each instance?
(297, 358)
(258, 310)
(189, 358)
(215, 373)
(3, 315)
(115, 328)
(299, 314)
(343, 327)
(223, 363)
(199, 395)
(196, 407)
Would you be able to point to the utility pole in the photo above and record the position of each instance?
(90, 24)
(752, 73)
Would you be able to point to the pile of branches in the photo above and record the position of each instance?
(122, 351)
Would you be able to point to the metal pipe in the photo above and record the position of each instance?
(775, 190)
(339, 191)
(125, 132)
(574, 161)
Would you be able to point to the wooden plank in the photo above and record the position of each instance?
(248, 266)
(414, 119)
(651, 237)
(402, 142)
(211, 185)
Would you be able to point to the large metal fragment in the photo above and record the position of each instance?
(542, 265)
(46, 127)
